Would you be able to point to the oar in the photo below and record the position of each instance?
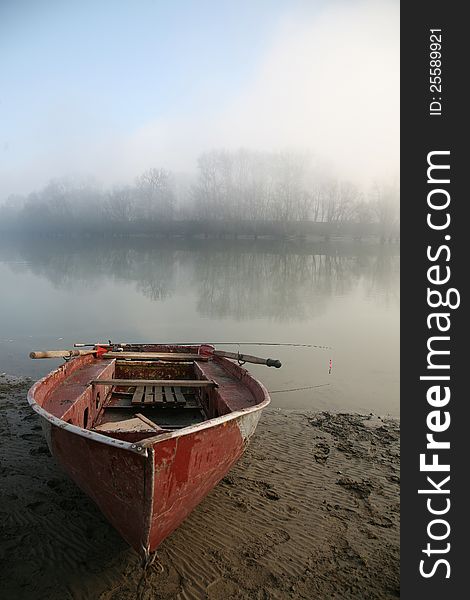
(59, 353)
(94, 345)
(99, 350)
(207, 350)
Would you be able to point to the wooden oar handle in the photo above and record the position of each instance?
(269, 362)
(59, 353)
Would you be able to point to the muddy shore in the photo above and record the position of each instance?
(310, 512)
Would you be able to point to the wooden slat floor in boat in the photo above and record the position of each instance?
(169, 407)
(160, 395)
(138, 395)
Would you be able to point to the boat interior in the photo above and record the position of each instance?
(198, 389)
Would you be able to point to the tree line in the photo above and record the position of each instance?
(258, 280)
(231, 191)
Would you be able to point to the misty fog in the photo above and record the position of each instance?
(275, 193)
(108, 91)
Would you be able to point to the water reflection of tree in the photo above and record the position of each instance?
(383, 279)
(289, 286)
(280, 286)
(155, 270)
(73, 265)
(278, 282)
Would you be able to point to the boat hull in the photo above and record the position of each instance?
(146, 489)
(146, 495)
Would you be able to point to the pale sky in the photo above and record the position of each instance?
(109, 88)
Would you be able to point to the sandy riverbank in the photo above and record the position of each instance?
(310, 512)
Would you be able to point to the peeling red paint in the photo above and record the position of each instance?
(186, 469)
(147, 487)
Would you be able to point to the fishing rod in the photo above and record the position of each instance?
(239, 357)
(294, 345)
(271, 344)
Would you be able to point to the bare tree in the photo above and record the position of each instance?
(386, 205)
(156, 195)
(288, 198)
(120, 204)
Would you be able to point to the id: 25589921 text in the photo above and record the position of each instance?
(435, 72)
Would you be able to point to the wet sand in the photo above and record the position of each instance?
(310, 512)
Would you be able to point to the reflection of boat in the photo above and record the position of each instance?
(148, 432)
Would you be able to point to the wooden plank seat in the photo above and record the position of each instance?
(158, 395)
(166, 356)
(189, 383)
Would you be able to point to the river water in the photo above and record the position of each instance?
(341, 295)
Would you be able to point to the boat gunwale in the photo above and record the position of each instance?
(141, 447)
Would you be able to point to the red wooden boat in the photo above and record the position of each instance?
(148, 431)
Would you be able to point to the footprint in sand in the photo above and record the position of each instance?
(32, 437)
(222, 588)
(361, 488)
(321, 452)
(380, 521)
(278, 536)
(259, 547)
(39, 450)
(38, 507)
(292, 509)
(56, 484)
(30, 417)
(6, 471)
(229, 480)
(271, 495)
(267, 490)
(68, 505)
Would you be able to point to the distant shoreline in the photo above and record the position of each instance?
(216, 229)
(227, 241)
